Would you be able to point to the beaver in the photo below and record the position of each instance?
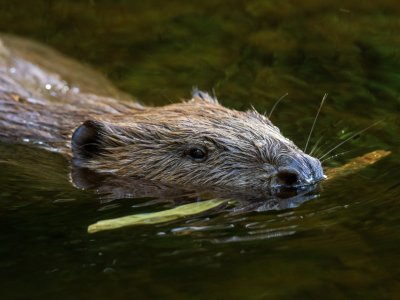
(53, 102)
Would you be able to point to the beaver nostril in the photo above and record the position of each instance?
(287, 178)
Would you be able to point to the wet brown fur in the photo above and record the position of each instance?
(44, 106)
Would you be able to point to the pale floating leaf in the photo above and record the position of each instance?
(156, 217)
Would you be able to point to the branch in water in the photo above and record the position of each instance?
(356, 164)
(195, 208)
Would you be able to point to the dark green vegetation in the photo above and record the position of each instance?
(344, 244)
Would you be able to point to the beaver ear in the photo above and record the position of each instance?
(197, 94)
(86, 141)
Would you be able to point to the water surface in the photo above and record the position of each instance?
(343, 244)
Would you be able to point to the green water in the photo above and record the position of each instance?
(345, 244)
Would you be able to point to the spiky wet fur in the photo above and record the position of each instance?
(244, 148)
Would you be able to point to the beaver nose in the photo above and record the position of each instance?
(297, 170)
(287, 177)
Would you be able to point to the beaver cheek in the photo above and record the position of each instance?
(268, 174)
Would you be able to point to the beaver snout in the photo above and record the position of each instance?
(300, 170)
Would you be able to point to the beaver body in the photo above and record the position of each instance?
(51, 101)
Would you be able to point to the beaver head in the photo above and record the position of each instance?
(197, 143)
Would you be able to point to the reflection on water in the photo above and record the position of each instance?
(341, 244)
(110, 188)
(337, 234)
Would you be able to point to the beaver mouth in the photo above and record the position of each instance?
(289, 192)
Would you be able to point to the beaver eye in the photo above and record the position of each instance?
(197, 153)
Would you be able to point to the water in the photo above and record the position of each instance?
(343, 244)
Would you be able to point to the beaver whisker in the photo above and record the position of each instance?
(321, 148)
(350, 138)
(315, 147)
(315, 121)
(276, 104)
(336, 155)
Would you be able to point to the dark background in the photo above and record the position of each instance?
(344, 244)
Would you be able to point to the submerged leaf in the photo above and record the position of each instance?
(157, 217)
